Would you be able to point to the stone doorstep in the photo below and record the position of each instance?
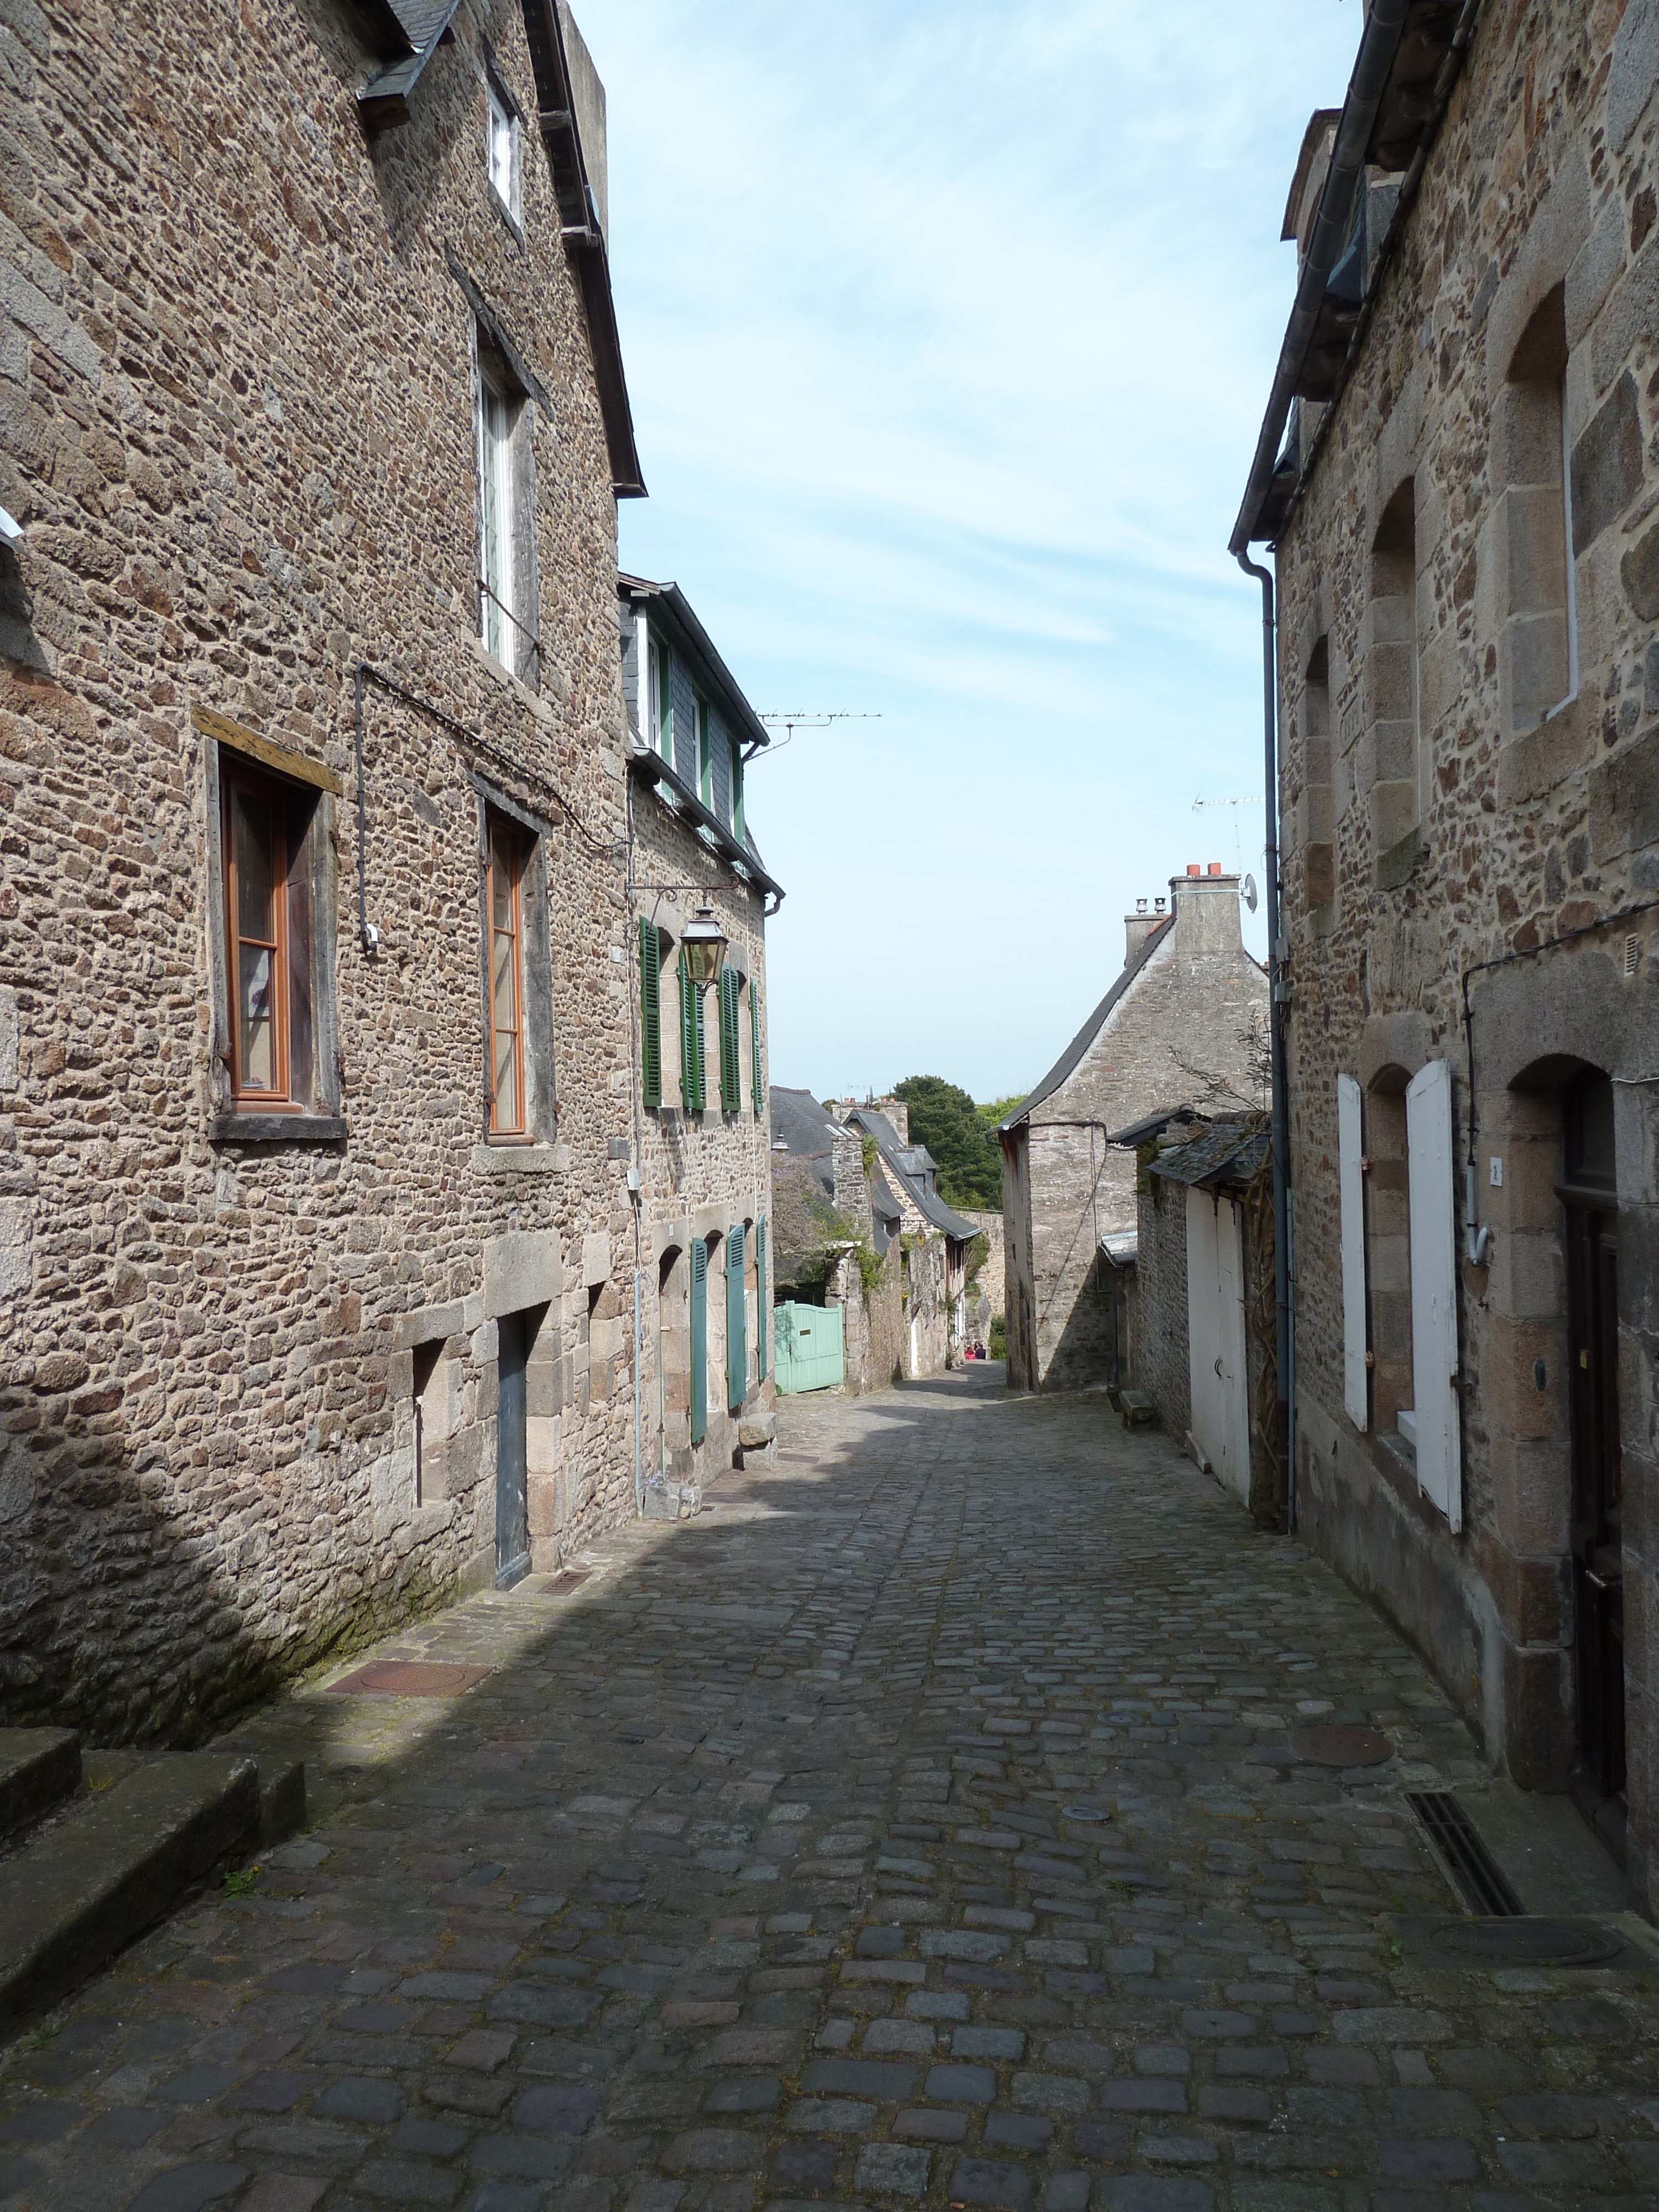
(37, 1766)
(111, 1864)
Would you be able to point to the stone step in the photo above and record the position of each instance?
(112, 1864)
(38, 1765)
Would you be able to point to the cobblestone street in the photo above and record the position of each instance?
(767, 1864)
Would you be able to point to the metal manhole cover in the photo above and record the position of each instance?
(1338, 1745)
(408, 1678)
(1526, 1942)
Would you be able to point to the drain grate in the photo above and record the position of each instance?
(1479, 1880)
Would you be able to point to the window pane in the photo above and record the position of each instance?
(256, 1013)
(500, 882)
(255, 869)
(506, 1081)
(501, 981)
(497, 521)
(500, 149)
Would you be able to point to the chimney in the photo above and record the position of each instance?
(899, 1114)
(1204, 902)
(1137, 928)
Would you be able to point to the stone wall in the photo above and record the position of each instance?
(1448, 805)
(992, 1275)
(236, 393)
(1161, 1364)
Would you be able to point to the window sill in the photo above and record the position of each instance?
(520, 1159)
(277, 1129)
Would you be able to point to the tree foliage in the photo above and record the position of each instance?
(946, 1119)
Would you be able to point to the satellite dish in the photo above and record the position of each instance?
(1248, 893)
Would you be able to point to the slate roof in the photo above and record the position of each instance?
(422, 23)
(1121, 1247)
(1227, 1156)
(803, 1127)
(899, 1160)
(886, 1215)
(1154, 1125)
(1085, 1036)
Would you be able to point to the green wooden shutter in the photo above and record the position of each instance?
(761, 1316)
(650, 1015)
(737, 1331)
(701, 1040)
(691, 1042)
(699, 1339)
(755, 1056)
(731, 1066)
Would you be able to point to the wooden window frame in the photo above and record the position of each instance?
(500, 115)
(279, 1099)
(500, 828)
(705, 753)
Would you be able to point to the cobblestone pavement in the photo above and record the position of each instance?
(761, 1870)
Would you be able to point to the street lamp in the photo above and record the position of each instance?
(703, 942)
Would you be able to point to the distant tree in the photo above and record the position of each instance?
(945, 1118)
(992, 1111)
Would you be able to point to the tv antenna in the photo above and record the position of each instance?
(808, 718)
(1238, 848)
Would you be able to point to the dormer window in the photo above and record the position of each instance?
(502, 147)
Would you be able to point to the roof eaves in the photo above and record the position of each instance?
(383, 101)
(584, 240)
(1374, 108)
(651, 767)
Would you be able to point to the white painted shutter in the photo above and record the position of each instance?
(1351, 1144)
(1434, 1288)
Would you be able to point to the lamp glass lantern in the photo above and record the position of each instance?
(704, 942)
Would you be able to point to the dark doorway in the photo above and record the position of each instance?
(1587, 1190)
(511, 1503)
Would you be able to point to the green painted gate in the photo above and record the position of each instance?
(807, 1342)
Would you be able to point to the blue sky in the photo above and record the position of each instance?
(948, 330)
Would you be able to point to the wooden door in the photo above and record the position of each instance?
(1590, 1195)
(512, 1510)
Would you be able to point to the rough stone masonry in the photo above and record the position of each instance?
(241, 338)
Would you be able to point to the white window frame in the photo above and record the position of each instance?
(497, 608)
(502, 148)
(1356, 1333)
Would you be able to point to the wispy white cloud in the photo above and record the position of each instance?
(948, 328)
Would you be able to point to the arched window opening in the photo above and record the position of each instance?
(1393, 769)
(1537, 588)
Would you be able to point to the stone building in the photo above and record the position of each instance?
(933, 1241)
(1182, 1021)
(702, 1133)
(1457, 471)
(841, 1241)
(315, 1053)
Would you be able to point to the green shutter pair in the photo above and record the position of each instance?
(699, 1339)
(730, 989)
(737, 1325)
(693, 1089)
(650, 1014)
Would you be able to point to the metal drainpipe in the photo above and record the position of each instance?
(1285, 1330)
